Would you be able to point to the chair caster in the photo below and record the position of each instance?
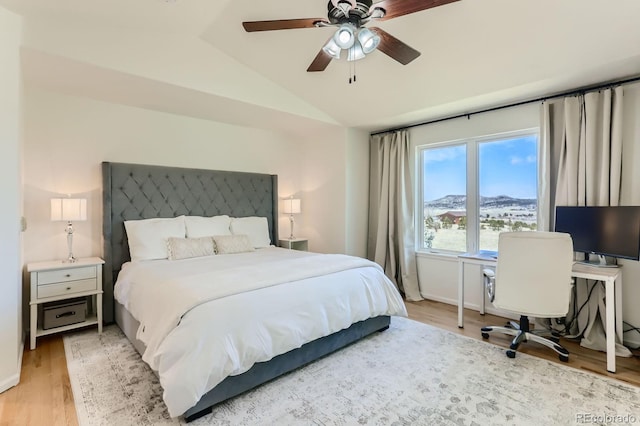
(511, 354)
(563, 358)
(485, 335)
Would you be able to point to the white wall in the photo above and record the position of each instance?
(10, 246)
(357, 183)
(322, 180)
(438, 274)
(67, 137)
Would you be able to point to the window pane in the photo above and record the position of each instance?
(508, 187)
(444, 198)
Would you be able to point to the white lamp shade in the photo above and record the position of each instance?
(369, 40)
(292, 206)
(332, 49)
(68, 209)
(345, 37)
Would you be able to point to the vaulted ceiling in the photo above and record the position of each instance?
(475, 54)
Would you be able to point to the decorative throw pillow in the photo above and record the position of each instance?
(257, 228)
(147, 238)
(184, 248)
(229, 244)
(198, 226)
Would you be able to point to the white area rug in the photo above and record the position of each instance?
(411, 374)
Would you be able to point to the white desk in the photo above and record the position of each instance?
(612, 278)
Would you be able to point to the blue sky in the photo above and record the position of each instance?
(507, 167)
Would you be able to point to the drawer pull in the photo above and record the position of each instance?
(66, 314)
(68, 288)
(68, 275)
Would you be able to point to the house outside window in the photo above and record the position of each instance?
(471, 190)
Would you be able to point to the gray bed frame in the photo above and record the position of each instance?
(135, 191)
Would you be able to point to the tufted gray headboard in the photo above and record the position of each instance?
(135, 191)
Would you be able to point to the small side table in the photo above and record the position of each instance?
(295, 244)
(58, 280)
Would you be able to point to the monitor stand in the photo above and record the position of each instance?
(600, 262)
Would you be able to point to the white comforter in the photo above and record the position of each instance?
(207, 318)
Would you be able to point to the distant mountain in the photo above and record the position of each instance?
(448, 202)
(458, 202)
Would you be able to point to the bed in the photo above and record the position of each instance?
(133, 192)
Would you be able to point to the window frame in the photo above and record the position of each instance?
(473, 186)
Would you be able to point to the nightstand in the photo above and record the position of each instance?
(58, 281)
(294, 244)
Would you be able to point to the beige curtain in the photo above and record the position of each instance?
(581, 164)
(391, 223)
(591, 152)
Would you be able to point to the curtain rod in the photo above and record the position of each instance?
(572, 92)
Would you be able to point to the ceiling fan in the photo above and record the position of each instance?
(351, 16)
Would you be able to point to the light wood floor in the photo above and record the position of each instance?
(44, 396)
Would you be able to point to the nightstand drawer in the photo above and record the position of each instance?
(63, 275)
(61, 289)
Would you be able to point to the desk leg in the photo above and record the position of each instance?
(483, 291)
(460, 294)
(618, 291)
(611, 325)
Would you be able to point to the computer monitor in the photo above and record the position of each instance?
(612, 231)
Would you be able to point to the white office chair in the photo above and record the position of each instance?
(532, 278)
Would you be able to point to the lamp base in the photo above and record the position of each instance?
(291, 237)
(69, 230)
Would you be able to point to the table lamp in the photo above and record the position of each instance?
(291, 207)
(69, 209)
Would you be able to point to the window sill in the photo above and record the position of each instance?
(446, 256)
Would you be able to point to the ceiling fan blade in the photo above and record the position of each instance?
(320, 62)
(395, 8)
(282, 24)
(394, 48)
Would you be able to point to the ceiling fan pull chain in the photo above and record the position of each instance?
(354, 71)
(352, 67)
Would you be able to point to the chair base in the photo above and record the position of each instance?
(523, 333)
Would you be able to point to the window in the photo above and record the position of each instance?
(474, 189)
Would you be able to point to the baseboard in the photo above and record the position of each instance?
(14, 379)
(473, 306)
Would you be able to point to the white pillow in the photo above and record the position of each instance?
(256, 228)
(148, 237)
(185, 248)
(229, 244)
(198, 226)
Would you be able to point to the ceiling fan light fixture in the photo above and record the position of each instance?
(332, 49)
(355, 52)
(378, 13)
(344, 6)
(369, 40)
(345, 36)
